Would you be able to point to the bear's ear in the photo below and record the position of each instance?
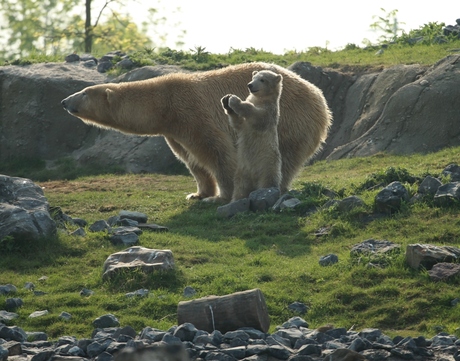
(278, 78)
(110, 95)
(254, 72)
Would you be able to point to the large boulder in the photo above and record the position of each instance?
(427, 255)
(24, 210)
(33, 123)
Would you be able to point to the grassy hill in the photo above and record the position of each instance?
(276, 252)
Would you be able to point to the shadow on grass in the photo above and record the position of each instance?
(260, 231)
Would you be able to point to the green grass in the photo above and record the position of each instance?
(351, 58)
(276, 252)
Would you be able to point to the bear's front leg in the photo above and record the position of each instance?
(240, 107)
(225, 104)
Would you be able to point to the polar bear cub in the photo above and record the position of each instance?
(255, 121)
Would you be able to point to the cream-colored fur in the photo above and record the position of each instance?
(186, 110)
(255, 121)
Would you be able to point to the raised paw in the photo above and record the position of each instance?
(225, 104)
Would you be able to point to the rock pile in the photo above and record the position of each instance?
(293, 341)
(112, 59)
(389, 199)
(452, 29)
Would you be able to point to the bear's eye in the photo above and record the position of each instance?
(262, 81)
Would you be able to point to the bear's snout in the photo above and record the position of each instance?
(251, 87)
(67, 106)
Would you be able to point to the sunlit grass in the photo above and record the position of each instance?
(276, 252)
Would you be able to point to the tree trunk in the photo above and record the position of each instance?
(226, 313)
(88, 29)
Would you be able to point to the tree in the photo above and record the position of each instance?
(32, 24)
(52, 26)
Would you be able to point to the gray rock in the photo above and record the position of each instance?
(263, 199)
(72, 58)
(343, 354)
(78, 232)
(389, 199)
(374, 246)
(124, 229)
(447, 194)
(358, 345)
(279, 352)
(7, 289)
(65, 316)
(99, 226)
(427, 255)
(295, 322)
(135, 216)
(96, 348)
(370, 334)
(12, 333)
(152, 334)
(37, 336)
(232, 208)
(443, 271)
(124, 237)
(85, 292)
(290, 203)
(330, 204)
(139, 293)
(104, 66)
(291, 334)
(185, 332)
(29, 286)
(138, 258)
(189, 291)
(126, 222)
(298, 307)
(125, 63)
(4, 353)
(106, 321)
(429, 185)
(7, 316)
(80, 222)
(310, 350)
(13, 303)
(349, 203)
(328, 260)
(277, 206)
(24, 210)
(37, 314)
(452, 171)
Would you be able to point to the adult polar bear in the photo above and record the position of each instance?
(186, 109)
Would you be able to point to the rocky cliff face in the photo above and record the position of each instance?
(401, 109)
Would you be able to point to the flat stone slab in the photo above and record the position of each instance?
(6, 316)
(152, 227)
(138, 258)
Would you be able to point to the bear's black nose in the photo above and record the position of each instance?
(63, 103)
(250, 86)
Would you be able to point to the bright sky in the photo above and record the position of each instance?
(277, 26)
